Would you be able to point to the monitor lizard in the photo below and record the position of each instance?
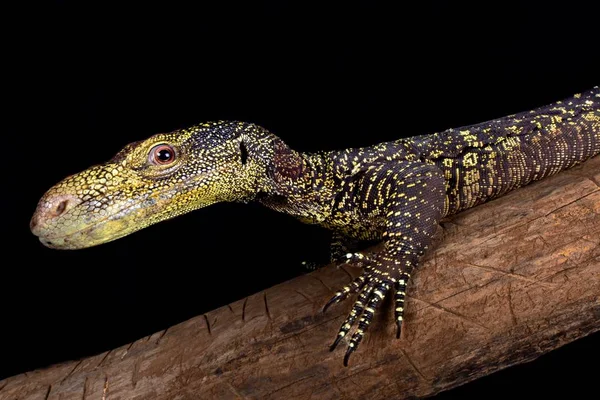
(394, 192)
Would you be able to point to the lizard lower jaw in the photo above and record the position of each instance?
(59, 243)
(101, 232)
(88, 237)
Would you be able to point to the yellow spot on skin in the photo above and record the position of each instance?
(470, 160)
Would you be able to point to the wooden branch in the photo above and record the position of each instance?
(511, 280)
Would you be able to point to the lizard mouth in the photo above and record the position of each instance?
(77, 240)
(106, 229)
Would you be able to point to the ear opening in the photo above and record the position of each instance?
(244, 152)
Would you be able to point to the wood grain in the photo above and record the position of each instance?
(510, 280)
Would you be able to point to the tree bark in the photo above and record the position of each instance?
(511, 280)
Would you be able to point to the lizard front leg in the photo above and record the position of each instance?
(412, 213)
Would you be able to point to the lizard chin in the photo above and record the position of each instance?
(80, 240)
(99, 233)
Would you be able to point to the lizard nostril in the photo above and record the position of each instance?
(49, 208)
(56, 206)
(61, 207)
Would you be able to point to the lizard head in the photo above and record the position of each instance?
(153, 180)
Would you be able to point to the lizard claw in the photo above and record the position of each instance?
(349, 351)
(353, 287)
(372, 290)
(335, 343)
(335, 299)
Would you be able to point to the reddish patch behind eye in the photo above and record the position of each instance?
(286, 164)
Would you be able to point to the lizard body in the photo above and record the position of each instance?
(396, 192)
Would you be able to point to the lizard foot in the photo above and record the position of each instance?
(372, 287)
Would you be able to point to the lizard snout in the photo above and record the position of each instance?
(50, 210)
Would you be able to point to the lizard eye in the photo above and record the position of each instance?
(162, 154)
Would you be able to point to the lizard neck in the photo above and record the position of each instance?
(300, 185)
(305, 185)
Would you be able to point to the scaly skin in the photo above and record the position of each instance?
(395, 192)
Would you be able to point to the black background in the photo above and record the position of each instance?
(82, 81)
